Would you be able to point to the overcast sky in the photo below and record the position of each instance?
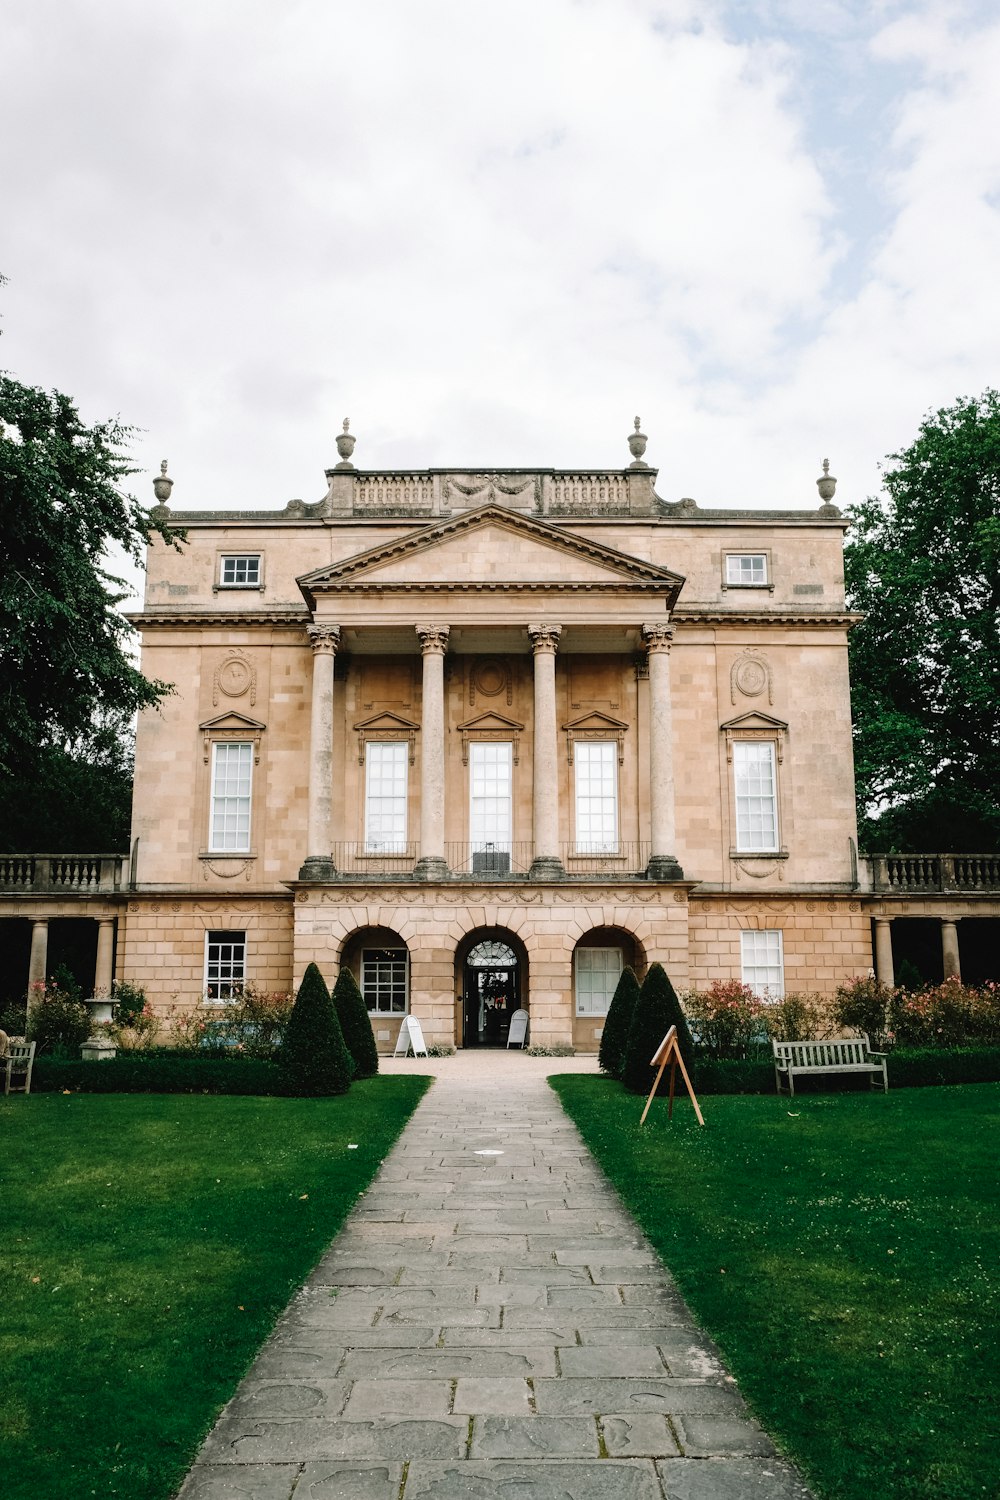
(492, 233)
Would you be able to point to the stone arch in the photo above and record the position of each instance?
(599, 955)
(379, 959)
(491, 982)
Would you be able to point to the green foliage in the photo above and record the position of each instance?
(130, 1001)
(58, 1020)
(840, 1249)
(68, 684)
(727, 1018)
(159, 1071)
(863, 1005)
(923, 1067)
(14, 1018)
(253, 1022)
(797, 1018)
(314, 1059)
(355, 1024)
(923, 566)
(949, 1014)
(154, 1242)
(614, 1037)
(656, 1010)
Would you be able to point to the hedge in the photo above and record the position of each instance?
(908, 1067)
(135, 1073)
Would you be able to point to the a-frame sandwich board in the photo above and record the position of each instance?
(669, 1052)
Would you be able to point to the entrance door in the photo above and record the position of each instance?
(491, 993)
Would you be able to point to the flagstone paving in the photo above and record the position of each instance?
(490, 1327)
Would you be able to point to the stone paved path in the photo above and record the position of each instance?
(490, 1324)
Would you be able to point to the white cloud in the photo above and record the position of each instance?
(490, 235)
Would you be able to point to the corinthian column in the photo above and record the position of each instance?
(432, 864)
(662, 859)
(319, 864)
(546, 864)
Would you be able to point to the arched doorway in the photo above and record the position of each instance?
(492, 981)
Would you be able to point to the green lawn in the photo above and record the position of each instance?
(148, 1244)
(844, 1251)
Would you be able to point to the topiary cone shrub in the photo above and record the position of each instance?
(656, 1010)
(355, 1024)
(614, 1037)
(314, 1059)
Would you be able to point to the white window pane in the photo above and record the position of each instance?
(490, 799)
(385, 797)
(596, 780)
(232, 770)
(598, 971)
(756, 796)
(241, 569)
(763, 963)
(746, 568)
(225, 964)
(384, 980)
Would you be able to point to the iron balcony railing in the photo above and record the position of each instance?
(626, 857)
(72, 874)
(915, 873)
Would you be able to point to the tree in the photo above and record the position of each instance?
(611, 1054)
(656, 1010)
(923, 566)
(355, 1024)
(314, 1059)
(69, 687)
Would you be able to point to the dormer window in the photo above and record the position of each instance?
(240, 570)
(747, 570)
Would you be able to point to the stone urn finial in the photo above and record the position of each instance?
(637, 446)
(345, 446)
(163, 484)
(826, 484)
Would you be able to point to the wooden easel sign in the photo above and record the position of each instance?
(669, 1052)
(410, 1035)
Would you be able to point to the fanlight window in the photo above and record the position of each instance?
(490, 955)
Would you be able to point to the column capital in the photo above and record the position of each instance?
(544, 638)
(433, 639)
(658, 636)
(324, 639)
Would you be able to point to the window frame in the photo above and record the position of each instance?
(738, 744)
(581, 753)
(394, 845)
(588, 948)
(227, 744)
(766, 583)
(220, 934)
(751, 965)
(391, 955)
(482, 843)
(222, 585)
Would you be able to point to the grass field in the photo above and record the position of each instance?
(844, 1251)
(148, 1245)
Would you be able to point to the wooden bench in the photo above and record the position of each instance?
(804, 1058)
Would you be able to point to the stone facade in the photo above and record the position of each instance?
(677, 674)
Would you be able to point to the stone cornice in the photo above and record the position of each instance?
(715, 616)
(207, 619)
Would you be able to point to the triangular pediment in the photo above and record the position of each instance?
(490, 722)
(485, 548)
(596, 720)
(754, 721)
(385, 722)
(233, 721)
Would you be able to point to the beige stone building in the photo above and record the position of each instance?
(488, 736)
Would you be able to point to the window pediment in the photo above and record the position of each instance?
(386, 726)
(595, 725)
(490, 726)
(231, 726)
(755, 726)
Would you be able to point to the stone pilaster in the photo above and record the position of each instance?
(884, 971)
(319, 865)
(950, 960)
(662, 832)
(432, 864)
(546, 864)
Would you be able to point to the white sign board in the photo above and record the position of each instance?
(518, 1029)
(410, 1035)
